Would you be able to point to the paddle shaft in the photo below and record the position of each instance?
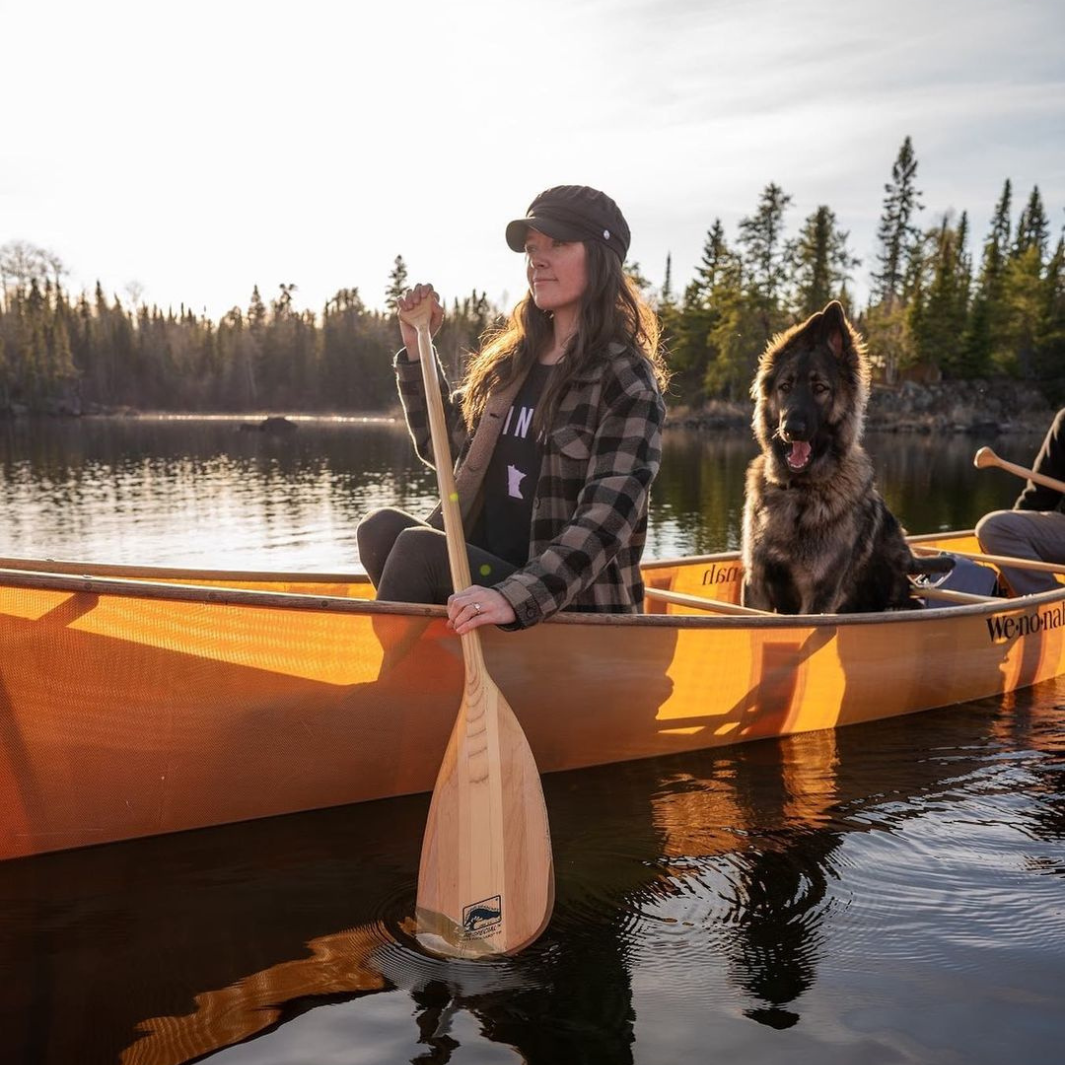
(986, 457)
(998, 560)
(952, 596)
(458, 559)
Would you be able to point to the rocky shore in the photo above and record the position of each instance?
(977, 407)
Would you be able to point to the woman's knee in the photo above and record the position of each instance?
(376, 536)
(417, 543)
(417, 568)
(998, 530)
(382, 517)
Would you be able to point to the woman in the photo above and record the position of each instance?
(558, 432)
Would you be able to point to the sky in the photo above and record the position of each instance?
(185, 153)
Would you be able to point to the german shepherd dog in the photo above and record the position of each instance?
(817, 536)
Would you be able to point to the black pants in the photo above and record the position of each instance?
(407, 559)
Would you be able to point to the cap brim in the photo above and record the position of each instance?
(550, 227)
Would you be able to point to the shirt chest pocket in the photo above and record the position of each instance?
(573, 445)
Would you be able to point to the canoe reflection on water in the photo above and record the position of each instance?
(166, 949)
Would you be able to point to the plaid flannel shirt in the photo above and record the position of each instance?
(589, 522)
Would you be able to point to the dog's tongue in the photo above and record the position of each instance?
(799, 455)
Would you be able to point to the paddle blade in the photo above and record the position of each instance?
(985, 457)
(486, 883)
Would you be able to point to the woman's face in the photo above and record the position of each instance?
(556, 270)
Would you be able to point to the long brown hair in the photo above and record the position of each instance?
(612, 310)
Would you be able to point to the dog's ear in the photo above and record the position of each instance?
(834, 327)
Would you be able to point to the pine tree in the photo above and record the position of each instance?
(252, 346)
(1022, 312)
(1050, 339)
(736, 338)
(716, 254)
(688, 328)
(34, 376)
(940, 305)
(397, 284)
(983, 336)
(256, 310)
(896, 234)
(765, 258)
(822, 263)
(277, 366)
(666, 296)
(1033, 229)
(1000, 221)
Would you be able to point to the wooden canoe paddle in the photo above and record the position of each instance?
(486, 881)
(986, 457)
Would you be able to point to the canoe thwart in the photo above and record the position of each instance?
(700, 602)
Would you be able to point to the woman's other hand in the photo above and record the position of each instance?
(475, 606)
(411, 299)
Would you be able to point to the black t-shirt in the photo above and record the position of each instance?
(510, 482)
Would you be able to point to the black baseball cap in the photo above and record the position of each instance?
(573, 212)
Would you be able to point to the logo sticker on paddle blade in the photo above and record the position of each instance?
(482, 918)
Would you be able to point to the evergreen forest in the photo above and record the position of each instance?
(943, 304)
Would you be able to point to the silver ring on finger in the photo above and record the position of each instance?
(477, 608)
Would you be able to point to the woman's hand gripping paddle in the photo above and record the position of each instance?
(986, 457)
(486, 882)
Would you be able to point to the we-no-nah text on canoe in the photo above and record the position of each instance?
(1008, 628)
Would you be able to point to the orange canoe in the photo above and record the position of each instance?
(141, 701)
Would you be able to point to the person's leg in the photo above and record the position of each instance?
(1032, 534)
(376, 535)
(418, 569)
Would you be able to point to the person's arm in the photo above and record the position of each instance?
(1051, 463)
(407, 364)
(412, 396)
(624, 456)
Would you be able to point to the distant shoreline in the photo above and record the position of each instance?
(975, 407)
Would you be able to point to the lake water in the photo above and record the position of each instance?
(883, 893)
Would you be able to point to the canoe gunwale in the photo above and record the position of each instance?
(83, 583)
(173, 573)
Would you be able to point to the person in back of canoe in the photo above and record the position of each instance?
(557, 429)
(1035, 528)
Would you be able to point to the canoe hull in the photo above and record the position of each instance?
(132, 711)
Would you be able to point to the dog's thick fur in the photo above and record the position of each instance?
(817, 536)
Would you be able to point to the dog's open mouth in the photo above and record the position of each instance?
(798, 455)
